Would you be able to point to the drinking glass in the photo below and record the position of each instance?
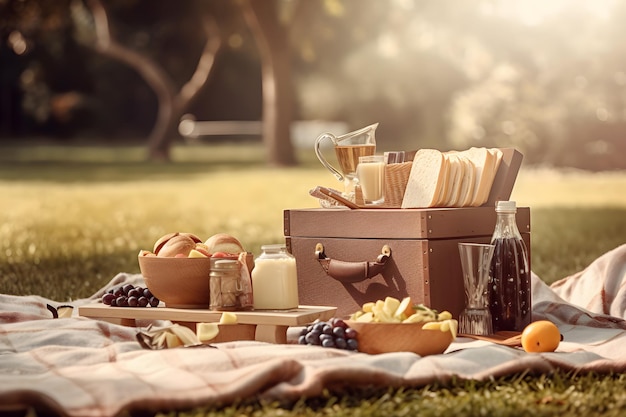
(371, 175)
(475, 263)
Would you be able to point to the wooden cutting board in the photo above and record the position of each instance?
(271, 325)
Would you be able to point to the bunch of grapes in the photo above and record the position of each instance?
(130, 296)
(334, 333)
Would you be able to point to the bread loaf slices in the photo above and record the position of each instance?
(425, 180)
(451, 179)
(468, 182)
(497, 154)
(488, 162)
(454, 179)
(446, 184)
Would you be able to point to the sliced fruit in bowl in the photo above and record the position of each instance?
(393, 325)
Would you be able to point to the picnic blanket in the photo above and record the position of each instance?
(82, 367)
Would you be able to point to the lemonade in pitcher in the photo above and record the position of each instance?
(348, 149)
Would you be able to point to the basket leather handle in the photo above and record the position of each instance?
(350, 272)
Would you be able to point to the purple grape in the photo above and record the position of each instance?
(313, 338)
(350, 333)
(107, 298)
(337, 322)
(352, 344)
(319, 326)
(129, 296)
(339, 332)
(325, 336)
(328, 342)
(341, 343)
(121, 301)
(332, 334)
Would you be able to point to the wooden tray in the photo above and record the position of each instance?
(271, 326)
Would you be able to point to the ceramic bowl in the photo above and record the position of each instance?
(377, 338)
(178, 282)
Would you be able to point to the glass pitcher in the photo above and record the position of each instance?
(348, 148)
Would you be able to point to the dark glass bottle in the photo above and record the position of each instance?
(509, 276)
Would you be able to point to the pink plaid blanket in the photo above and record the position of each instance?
(82, 367)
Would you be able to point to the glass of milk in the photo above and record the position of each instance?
(371, 175)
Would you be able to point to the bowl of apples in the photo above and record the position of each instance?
(177, 270)
(393, 325)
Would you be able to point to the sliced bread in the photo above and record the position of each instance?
(425, 180)
(468, 182)
(489, 174)
(454, 179)
(483, 161)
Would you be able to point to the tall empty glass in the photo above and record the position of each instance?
(475, 263)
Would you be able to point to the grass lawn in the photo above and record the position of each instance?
(71, 218)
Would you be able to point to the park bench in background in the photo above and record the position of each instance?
(303, 132)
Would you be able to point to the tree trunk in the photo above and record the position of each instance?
(171, 103)
(271, 36)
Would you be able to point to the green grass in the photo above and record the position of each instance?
(518, 395)
(71, 218)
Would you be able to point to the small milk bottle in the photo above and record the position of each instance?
(509, 276)
(274, 279)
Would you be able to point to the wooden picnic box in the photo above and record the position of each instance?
(349, 257)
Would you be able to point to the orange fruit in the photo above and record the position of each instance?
(541, 336)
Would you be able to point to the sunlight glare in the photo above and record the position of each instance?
(535, 12)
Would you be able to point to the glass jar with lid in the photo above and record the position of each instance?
(275, 279)
(224, 285)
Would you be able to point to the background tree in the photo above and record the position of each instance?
(271, 34)
(548, 79)
(173, 101)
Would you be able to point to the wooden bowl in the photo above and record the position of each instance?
(377, 338)
(178, 282)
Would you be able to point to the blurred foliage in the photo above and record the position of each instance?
(547, 78)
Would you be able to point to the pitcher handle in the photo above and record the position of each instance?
(323, 160)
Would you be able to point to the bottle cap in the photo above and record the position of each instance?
(506, 207)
